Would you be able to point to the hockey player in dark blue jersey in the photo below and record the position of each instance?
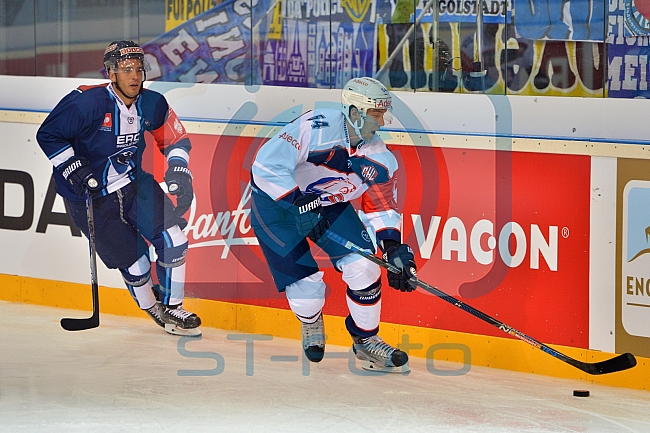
(303, 180)
(95, 138)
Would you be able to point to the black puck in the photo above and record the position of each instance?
(580, 393)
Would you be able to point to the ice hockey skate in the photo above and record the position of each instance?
(376, 355)
(313, 339)
(154, 313)
(179, 321)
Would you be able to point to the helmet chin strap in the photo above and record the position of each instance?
(356, 126)
(117, 86)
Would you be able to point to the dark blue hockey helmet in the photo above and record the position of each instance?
(118, 51)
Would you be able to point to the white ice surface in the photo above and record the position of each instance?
(124, 377)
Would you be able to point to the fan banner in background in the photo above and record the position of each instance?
(317, 53)
(329, 10)
(575, 20)
(316, 43)
(627, 55)
(637, 17)
(179, 11)
(213, 47)
(449, 11)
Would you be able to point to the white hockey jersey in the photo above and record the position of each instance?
(313, 154)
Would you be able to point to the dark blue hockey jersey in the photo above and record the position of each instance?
(93, 122)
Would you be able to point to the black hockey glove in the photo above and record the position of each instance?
(310, 219)
(401, 256)
(77, 171)
(179, 183)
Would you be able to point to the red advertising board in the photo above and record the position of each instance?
(505, 232)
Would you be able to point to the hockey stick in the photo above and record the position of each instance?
(71, 324)
(612, 365)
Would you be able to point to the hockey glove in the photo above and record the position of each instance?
(310, 219)
(77, 171)
(401, 256)
(179, 183)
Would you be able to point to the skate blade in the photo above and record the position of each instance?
(371, 366)
(170, 328)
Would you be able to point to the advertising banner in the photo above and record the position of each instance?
(633, 258)
(635, 304)
(489, 227)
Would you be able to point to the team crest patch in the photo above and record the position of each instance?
(369, 172)
(365, 236)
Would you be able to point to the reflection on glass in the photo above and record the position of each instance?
(17, 38)
(522, 47)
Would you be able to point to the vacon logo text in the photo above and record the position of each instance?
(460, 242)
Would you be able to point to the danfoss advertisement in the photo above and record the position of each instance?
(493, 228)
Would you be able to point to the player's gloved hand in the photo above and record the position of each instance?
(401, 256)
(179, 183)
(310, 219)
(77, 171)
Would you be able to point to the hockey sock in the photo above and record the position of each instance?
(365, 308)
(306, 297)
(138, 280)
(171, 248)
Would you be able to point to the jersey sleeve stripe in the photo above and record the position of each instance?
(62, 156)
(178, 154)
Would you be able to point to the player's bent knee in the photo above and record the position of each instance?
(358, 273)
(367, 296)
(171, 247)
(138, 273)
(365, 306)
(307, 296)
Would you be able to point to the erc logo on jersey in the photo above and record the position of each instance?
(635, 260)
(128, 139)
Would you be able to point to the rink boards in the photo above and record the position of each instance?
(542, 230)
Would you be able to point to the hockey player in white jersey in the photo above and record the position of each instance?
(303, 180)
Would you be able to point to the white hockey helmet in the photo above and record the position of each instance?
(364, 93)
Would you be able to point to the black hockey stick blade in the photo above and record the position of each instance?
(73, 324)
(612, 365)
